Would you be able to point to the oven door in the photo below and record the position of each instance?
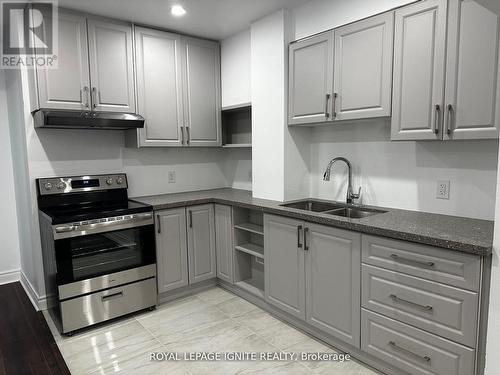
(88, 256)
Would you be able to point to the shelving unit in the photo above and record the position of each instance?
(249, 250)
(237, 127)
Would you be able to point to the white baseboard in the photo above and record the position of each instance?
(39, 302)
(9, 276)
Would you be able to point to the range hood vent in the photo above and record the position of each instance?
(66, 119)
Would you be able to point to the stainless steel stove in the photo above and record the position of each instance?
(98, 250)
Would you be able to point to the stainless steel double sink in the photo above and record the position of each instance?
(335, 209)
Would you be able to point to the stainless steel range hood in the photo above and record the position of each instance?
(67, 119)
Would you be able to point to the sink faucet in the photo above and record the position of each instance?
(350, 194)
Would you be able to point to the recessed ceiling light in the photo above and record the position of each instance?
(178, 11)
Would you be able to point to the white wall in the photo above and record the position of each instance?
(9, 254)
(235, 69)
(320, 15)
(268, 37)
(405, 174)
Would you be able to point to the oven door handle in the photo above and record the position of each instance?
(65, 229)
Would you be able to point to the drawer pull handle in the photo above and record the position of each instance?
(112, 296)
(395, 298)
(406, 351)
(397, 258)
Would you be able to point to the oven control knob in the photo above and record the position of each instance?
(119, 180)
(109, 181)
(48, 186)
(61, 185)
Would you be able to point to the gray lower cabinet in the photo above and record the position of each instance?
(332, 261)
(171, 249)
(224, 242)
(201, 242)
(284, 270)
(411, 349)
(313, 272)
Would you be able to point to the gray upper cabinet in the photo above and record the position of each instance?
(284, 265)
(363, 68)
(68, 86)
(95, 67)
(171, 249)
(159, 87)
(472, 86)
(202, 97)
(224, 242)
(201, 242)
(310, 80)
(111, 66)
(419, 67)
(332, 265)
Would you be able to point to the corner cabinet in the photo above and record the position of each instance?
(344, 74)
(95, 67)
(178, 90)
(224, 242)
(185, 246)
(313, 273)
(445, 71)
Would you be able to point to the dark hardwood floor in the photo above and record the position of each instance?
(26, 344)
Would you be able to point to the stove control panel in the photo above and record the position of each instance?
(79, 184)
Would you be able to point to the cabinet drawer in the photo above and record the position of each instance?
(411, 349)
(444, 310)
(432, 263)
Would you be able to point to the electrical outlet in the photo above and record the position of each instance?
(171, 177)
(443, 190)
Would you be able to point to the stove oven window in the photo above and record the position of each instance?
(85, 257)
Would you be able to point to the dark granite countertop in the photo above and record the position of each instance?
(466, 235)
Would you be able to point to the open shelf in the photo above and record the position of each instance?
(237, 127)
(237, 145)
(251, 227)
(252, 249)
(252, 285)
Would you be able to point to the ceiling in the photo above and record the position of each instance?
(213, 19)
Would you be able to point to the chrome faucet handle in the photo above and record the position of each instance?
(356, 196)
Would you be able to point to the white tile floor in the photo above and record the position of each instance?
(211, 321)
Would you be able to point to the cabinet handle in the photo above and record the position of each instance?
(395, 298)
(335, 96)
(299, 229)
(182, 135)
(327, 101)
(188, 135)
(406, 351)
(448, 119)
(94, 97)
(190, 219)
(112, 296)
(437, 118)
(158, 223)
(397, 258)
(306, 230)
(87, 98)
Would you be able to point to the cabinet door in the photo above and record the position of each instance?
(68, 86)
(333, 263)
(419, 60)
(159, 87)
(284, 264)
(224, 242)
(472, 72)
(202, 102)
(111, 66)
(310, 80)
(171, 249)
(201, 243)
(363, 68)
